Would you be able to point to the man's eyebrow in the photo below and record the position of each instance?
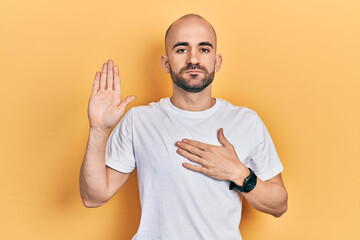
(181, 44)
(206, 44)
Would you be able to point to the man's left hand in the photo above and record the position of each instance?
(218, 162)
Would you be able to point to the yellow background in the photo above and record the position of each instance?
(294, 62)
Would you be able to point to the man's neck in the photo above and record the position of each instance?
(193, 101)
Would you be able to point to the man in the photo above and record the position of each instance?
(190, 150)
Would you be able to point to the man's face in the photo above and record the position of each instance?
(191, 54)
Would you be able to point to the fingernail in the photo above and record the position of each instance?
(184, 140)
(178, 143)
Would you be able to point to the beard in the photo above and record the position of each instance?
(184, 84)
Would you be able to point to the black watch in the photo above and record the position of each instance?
(248, 185)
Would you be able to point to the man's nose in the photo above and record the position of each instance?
(193, 57)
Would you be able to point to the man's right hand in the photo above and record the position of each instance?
(105, 105)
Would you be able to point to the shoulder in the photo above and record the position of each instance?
(238, 111)
(149, 109)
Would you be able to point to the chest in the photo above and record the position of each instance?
(154, 139)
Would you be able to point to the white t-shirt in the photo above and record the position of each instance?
(178, 203)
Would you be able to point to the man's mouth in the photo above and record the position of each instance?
(193, 71)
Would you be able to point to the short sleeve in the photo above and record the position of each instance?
(119, 153)
(265, 161)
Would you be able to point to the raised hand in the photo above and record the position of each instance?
(105, 104)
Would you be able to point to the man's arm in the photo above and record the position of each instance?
(268, 196)
(222, 163)
(98, 183)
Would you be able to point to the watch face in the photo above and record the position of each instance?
(248, 185)
(250, 182)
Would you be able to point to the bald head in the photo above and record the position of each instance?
(177, 30)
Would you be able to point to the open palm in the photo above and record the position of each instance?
(105, 104)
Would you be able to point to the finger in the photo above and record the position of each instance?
(194, 168)
(126, 102)
(96, 82)
(222, 139)
(201, 145)
(191, 148)
(103, 77)
(110, 80)
(192, 157)
(116, 79)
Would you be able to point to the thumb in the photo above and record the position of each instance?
(126, 102)
(222, 139)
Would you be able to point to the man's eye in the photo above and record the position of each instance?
(204, 50)
(181, 50)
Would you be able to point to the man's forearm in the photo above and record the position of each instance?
(93, 176)
(268, 197)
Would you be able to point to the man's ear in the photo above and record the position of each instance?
(218, 61)
(164, 60)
